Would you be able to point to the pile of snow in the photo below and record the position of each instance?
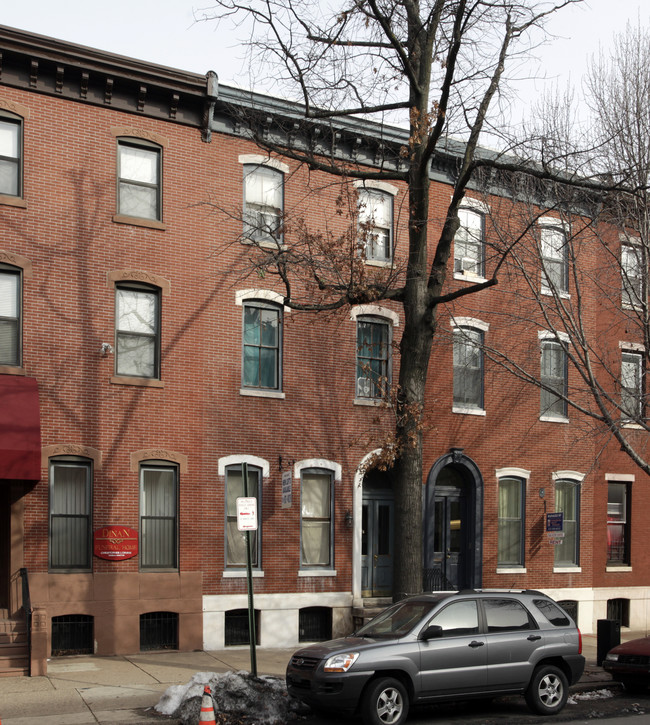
(593, 695)
(238, 696)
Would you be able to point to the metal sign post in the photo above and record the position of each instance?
(247, 522)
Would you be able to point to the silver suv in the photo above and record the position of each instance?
(444, 646)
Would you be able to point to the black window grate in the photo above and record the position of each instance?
(72, 634)
(158, 630)
(315, 624)
(236, 627)
(570, 606)
(619, 611)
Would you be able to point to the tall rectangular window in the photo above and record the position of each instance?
(554, 377)
(158, 516)
(567, 501)
(373, 357)
(263, 203)
(468, 368)
(138, 331)
(70, 507)
(10, 308)
(469, 243)
(316, 519)
(554, 259)
(618, 533)
(10, 156)
(261, 360)
(235, 539)
(139, 183)
(376, 224)
(632, 385)
(632, 278)
(511, 522)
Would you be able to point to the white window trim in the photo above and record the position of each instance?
(512, 473)
(261, 160)
(238, 459)
(574, 476)
(511, 570)
(459, 322)
(377, 185)
(567, 569)
(267, 295)
(620, 477)
(551, 221)
(376, 311)
(558, 336)
(631, 346)
(475, 205)
(317, 572)
(241, 573)
(466, 410)
(335, 468)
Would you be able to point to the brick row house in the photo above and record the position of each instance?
(143, 362)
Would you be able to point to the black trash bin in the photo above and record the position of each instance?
(608, 633)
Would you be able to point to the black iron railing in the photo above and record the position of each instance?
(27, 610)
(433, 580)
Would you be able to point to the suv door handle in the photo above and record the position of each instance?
(533, 637)
(474, 643)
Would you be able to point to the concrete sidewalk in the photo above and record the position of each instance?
(122, 690)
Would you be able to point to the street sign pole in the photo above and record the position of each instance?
(249, 577)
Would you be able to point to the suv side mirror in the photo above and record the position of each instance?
(433, 631)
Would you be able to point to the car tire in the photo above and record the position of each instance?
(548, 690)
(635, 687)
(385, 702)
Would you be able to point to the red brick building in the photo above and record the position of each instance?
(143, 363)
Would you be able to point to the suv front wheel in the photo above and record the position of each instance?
(548, 690)
(385, 702)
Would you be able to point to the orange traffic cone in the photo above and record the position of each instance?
(207, 709)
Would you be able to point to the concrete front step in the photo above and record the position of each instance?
(14, 649)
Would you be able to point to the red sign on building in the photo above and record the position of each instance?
(115, 542)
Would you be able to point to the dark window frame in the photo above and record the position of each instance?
(18, 161)
(260, 347)
(619, 554)
(267, 232)
(521, 519)
(633, 282)
(577, 491)
(127, 182)
(558, 282)
(230, 518)
(466, 338)
(14, 359)
(633, 395)
(75, 462)
(160, 466)
(469, 242)
(366, 194)
(554, 404)
(155, 336)
(307, 565)
(370, 383)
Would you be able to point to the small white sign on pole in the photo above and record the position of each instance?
(286, 490)
(247, 513)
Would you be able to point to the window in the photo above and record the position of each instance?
(70, 507)
(554, 379)
(261, 358)
(137, 335)
(263, 203)
(235, 539)
(468, 368)
(11, 143)
(567, 501)
(158, 516)
(554, 259)
(458, 619)
(373, 357)
(469, 244)
(316, 522)
(10, 309)
(376, 224)
(139, 186)
(506, 615)
(511, 522)
(618, 532)
(632, 385)
(632, 275)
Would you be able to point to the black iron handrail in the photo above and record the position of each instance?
(27, 609)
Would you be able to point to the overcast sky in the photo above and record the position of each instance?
(165, 32)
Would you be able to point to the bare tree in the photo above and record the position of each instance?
(438, 68)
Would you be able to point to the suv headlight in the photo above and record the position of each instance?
(341, 662)
(611, 657)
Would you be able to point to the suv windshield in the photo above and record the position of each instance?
(397, 620)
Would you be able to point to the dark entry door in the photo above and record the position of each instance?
(449, 539)
(377, 547)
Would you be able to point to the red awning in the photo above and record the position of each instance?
(20, 429)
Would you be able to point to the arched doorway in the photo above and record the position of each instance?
(377, 535)
(453, 524)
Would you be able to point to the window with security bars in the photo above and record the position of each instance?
(158, 631)
(158, 516)
(554, 380)
(11, 148)
(72, 634)
(618, 532)
(70, 507)
(139, 179)
(469, 244)
(511, 522)
(10, 311)
(315, 624)
(554, 259)
(137, 334)
(468, 368)
(376, 224)
(263, 203)
(373, 357)
(236, 627)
